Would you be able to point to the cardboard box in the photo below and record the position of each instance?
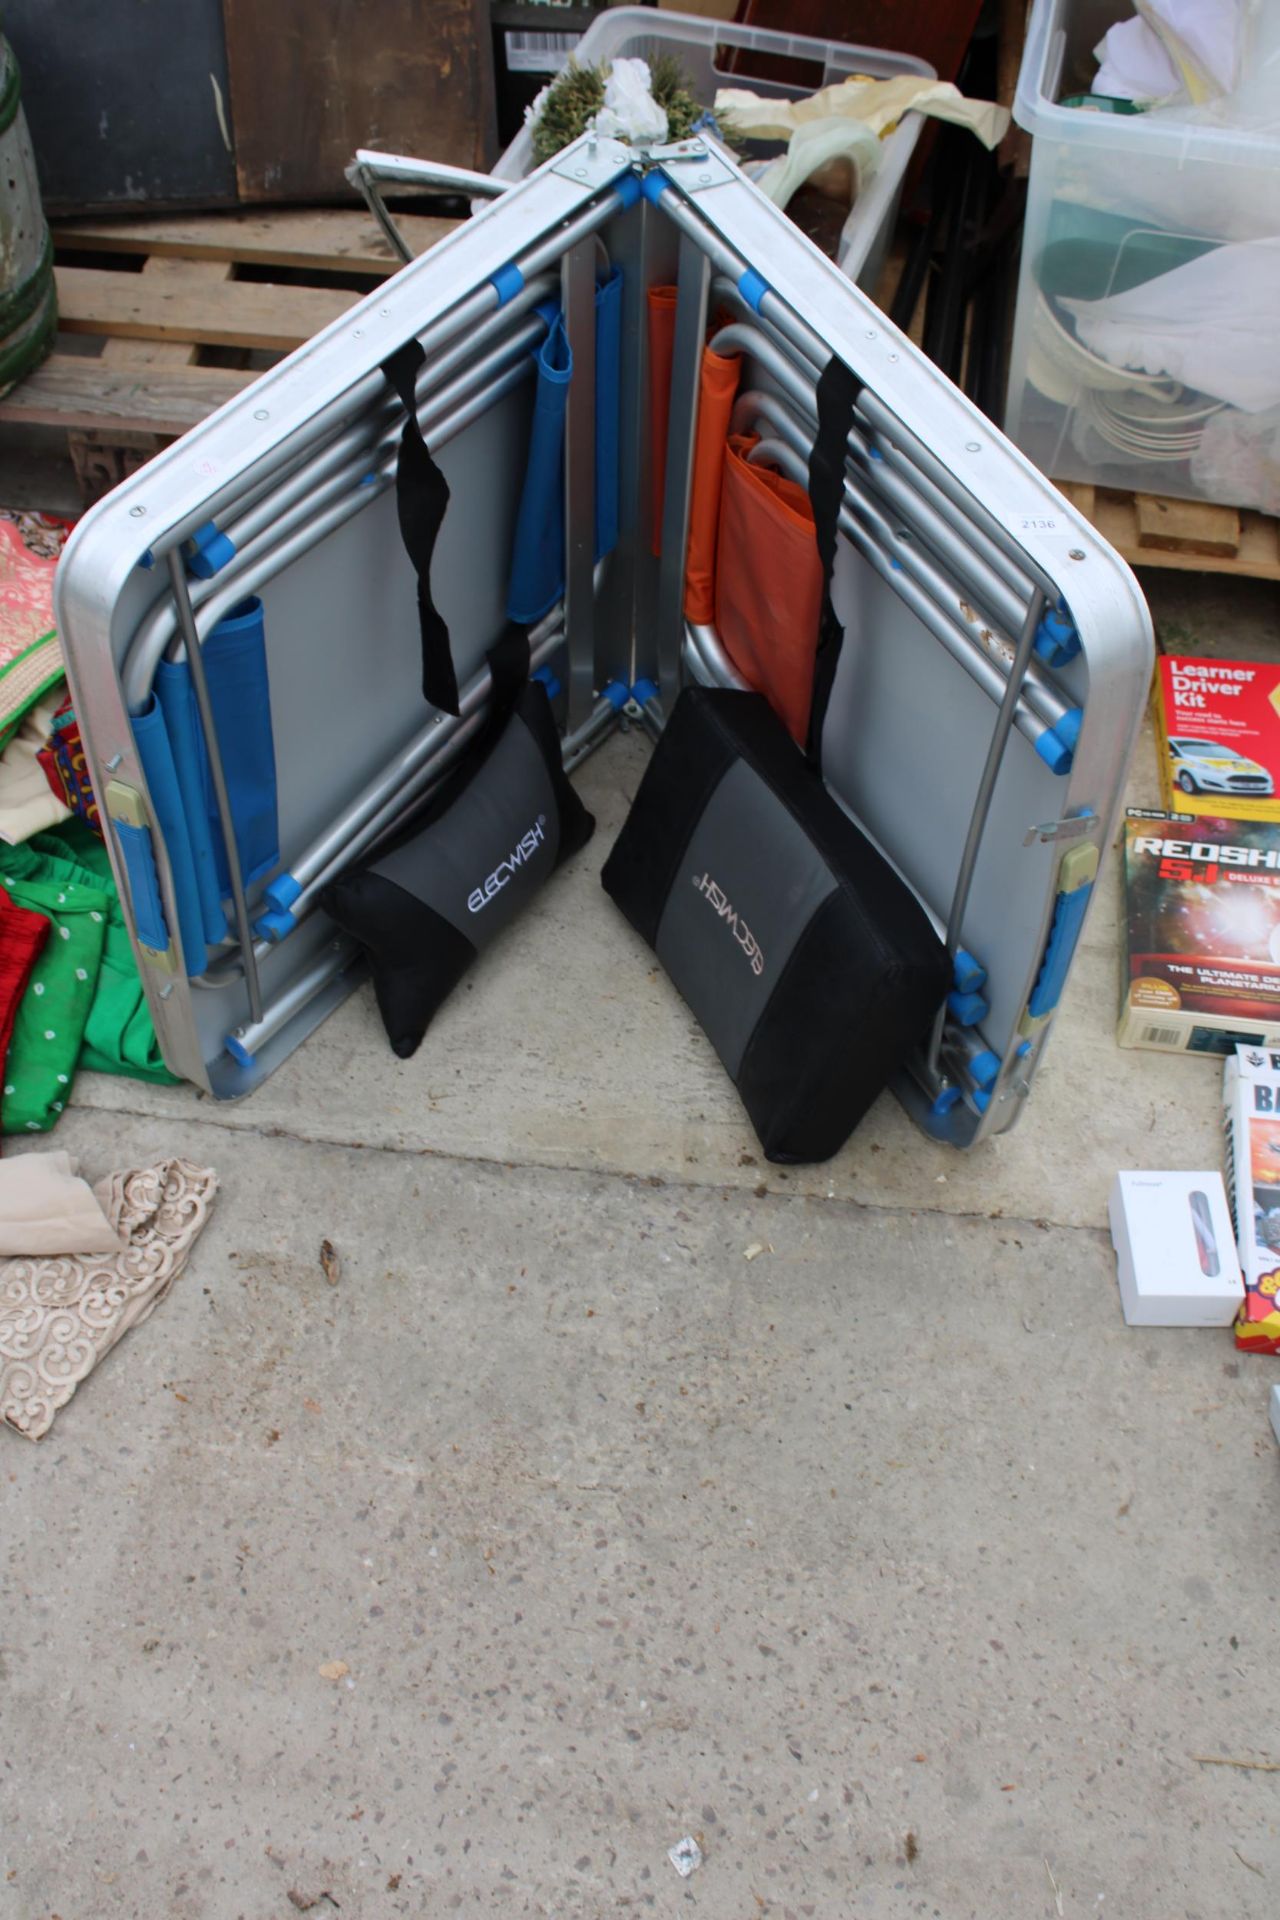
(1251, 1118)
(1175, 1251)
(1218, 737)
(1201, 955)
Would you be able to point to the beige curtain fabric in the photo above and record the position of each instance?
(45, 1207)
(60, 1315)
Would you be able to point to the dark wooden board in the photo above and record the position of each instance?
(934, 30)
(312, 80)
(121, 100)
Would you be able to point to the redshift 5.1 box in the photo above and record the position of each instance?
(1251, 1116)
(1202, 955)
(1218, 737)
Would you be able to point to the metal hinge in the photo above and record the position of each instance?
(695, 163)
(595, 161)
(1053, 830)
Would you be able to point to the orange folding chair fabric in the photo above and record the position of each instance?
(768, 597)
(717, 391)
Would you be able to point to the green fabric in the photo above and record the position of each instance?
(84, 1005)
(54, 1012)
(119, 1037)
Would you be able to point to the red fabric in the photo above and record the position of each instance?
(22, 938)
(662, 341)
(67, 770)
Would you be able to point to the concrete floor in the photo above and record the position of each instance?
(888, 1563)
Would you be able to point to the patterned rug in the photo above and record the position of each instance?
(30, 655)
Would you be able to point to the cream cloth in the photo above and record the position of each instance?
(28, 803)
(45, 1207)
(58, 1317)
(847, 121)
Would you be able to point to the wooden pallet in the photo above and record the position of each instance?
(1193, 535)
(164, 323)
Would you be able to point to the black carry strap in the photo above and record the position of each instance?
(508, 660)
(422, 495)
(838, 391)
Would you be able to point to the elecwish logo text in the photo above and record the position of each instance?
(506, 870)
(719, 900)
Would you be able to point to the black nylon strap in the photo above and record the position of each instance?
(837, 395)
(508, 659)
(508, 663)
(422, 495)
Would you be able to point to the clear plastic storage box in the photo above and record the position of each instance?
(703, 48)
(1120, 375)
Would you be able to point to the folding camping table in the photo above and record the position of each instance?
(988, 695)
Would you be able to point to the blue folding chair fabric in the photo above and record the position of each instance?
(538, 556)
(152, 740)
(537, 562)
(177, 701)
(235, 664)
(171, 746)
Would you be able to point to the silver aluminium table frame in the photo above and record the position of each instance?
(967, 540)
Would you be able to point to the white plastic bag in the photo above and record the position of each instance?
(1133, 65)
(1202, 39)
(1173, 50)
(630, 111)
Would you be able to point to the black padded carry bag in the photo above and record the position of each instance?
(494, 832)
(811, 967)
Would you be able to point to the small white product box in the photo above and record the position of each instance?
(1175, 1250)
(1275, 1411)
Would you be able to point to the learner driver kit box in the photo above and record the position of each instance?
(1202, 948)
(1218, 737)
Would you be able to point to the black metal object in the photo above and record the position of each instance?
(517, 88)
(128, 104)
(965, 250)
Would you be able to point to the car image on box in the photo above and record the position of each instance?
(1206, 766)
